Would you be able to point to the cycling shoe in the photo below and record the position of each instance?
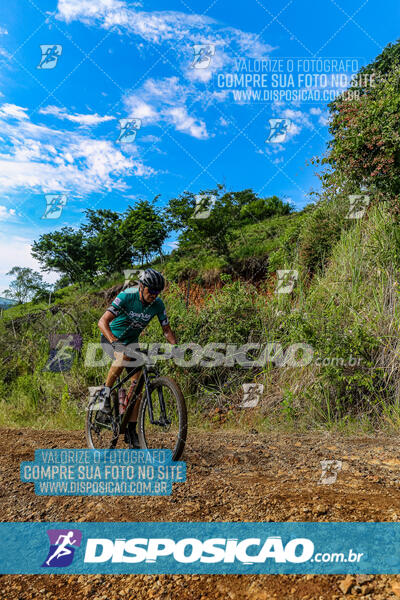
(131, 437)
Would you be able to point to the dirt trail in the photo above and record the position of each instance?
(230, 477)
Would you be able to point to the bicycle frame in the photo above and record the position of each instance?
(144, 380)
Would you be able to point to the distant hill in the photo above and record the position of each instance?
(6, 303)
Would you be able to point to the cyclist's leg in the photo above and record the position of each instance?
(131, 436)
(118, 364)
(134, 380)
(138, 359)
(115, 370)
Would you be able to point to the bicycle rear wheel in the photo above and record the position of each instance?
(168, 428)
(102, 431)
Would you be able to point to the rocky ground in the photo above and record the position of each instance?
(230, 477)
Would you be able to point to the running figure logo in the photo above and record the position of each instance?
(252, 394)
(358, 206)
(286, 280)
(128, 131)
(204, 204)
(63, 543)
(132, 279)
(50, 55)
(62, 349)
(202, 55)
(54, 205)
(278, 130)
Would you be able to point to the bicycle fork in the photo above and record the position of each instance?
(163, 421)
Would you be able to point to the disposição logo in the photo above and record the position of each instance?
(63, 543)
(191, 550)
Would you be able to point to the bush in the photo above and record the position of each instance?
(320, 231)
(351, 311)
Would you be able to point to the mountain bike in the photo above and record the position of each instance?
(162, 416)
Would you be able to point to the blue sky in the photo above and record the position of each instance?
(59, 127)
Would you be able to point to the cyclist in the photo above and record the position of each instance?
(130, 312)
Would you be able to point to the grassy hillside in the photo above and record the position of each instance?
(253, 252)
(33, 396)
(327, 353)
(347, 313)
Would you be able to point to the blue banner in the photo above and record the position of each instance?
(196, 548)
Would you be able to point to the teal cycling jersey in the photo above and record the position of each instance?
(132, 315)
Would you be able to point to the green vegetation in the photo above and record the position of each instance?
(344, 306)
(28, 284)
(109, 242)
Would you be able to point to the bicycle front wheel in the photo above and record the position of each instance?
(164, 423)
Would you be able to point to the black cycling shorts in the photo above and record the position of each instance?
(137, 359)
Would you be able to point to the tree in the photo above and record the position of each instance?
(144, 229)
(263, 208)
(184, 214)
(109, 241)
(179, 211)
(27, 285)
(105, 243)
(65, 251)
(227, 211)
(364, 152)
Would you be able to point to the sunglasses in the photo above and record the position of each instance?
(153, 292)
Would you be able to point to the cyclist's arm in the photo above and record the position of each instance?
(164, 322)
(104, 326)
(169, 334)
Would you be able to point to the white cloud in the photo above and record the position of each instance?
(298, 118)
(164, 101)
(6, 213)
(323, 115)
(159, 26)
(179, 29)
(44, 159)
(151, 139)
(324, 119)
(3, 31)
(168, 100)
(84, 120)
(142, 110)
(12, 110)
(155, 26)
(85, 10)
(183, 122)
